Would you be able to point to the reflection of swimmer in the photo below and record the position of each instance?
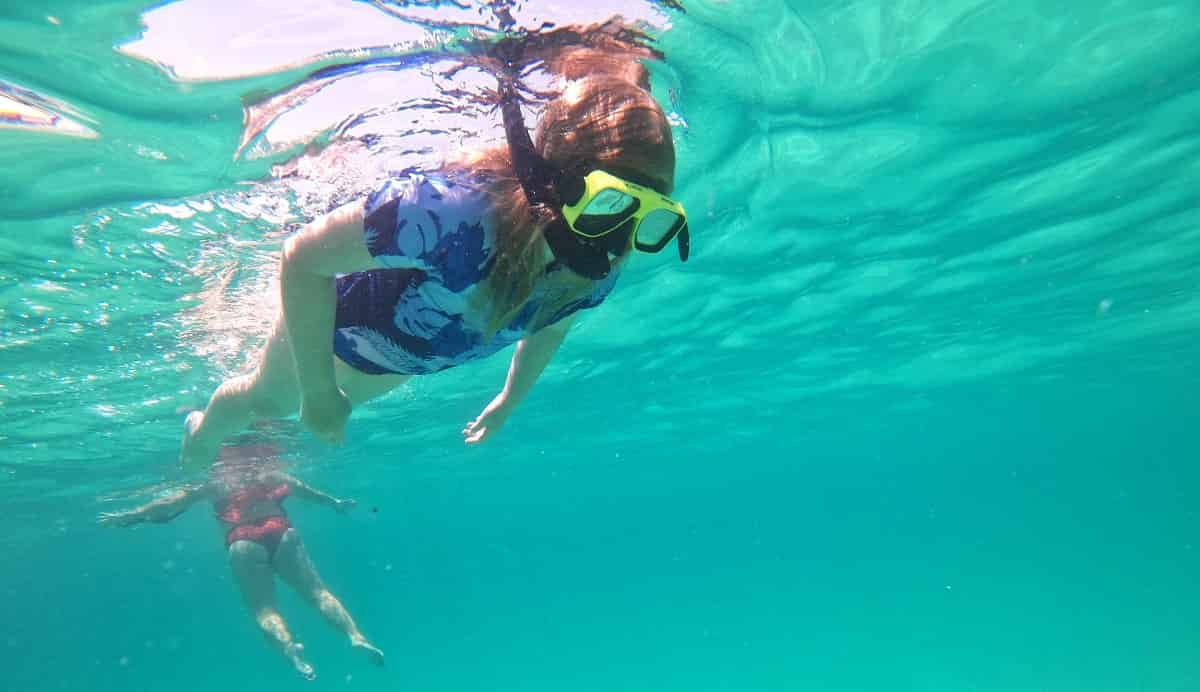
(261, 541)
(499, 246)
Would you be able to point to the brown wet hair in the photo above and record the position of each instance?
(603, 114)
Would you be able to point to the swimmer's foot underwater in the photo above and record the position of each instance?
(192, 453)
(374, 655)
(293, 652)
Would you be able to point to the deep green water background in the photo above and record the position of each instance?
(920, 414)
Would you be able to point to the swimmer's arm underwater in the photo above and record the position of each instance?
(530, 358)
(311, 494)
(331, 245)
(159, 511)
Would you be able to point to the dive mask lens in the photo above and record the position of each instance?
(605, 212)
(657, 229)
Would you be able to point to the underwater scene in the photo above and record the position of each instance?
(651, 346)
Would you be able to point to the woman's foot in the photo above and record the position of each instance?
(373, 652)
(302, 667)
(192, 453)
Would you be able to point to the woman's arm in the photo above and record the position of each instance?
(530, 358)
(159, 511)
(331, 245)
(311, 494)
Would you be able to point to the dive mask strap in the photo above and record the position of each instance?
(538, 179)
(534, 172)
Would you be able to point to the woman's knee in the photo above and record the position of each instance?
(325, 600)
(272, 397)
(271, 623)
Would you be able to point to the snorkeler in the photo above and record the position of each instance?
(262, 543)
(499, 246)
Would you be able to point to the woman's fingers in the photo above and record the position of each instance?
(115, 519)
(476, 436)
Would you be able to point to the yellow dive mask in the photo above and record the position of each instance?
(605, 204)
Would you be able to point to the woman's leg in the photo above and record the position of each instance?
(270, 391)
(252, 571)
(330, 245)
(361, 387)
(296, 568)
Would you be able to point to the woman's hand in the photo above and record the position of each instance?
(343, 506)
(325, 415)
(488, 422)
(118, 519)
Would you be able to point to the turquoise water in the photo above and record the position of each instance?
(919, 414)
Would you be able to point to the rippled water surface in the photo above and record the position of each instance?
(919, 414)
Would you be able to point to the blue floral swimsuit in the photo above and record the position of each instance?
(417, 316)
